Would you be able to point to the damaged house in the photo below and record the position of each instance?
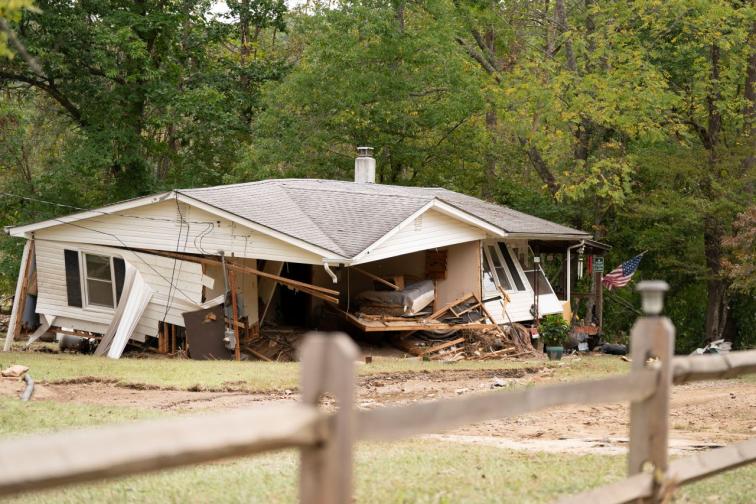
(305, 253)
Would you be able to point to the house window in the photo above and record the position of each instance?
(98, 279)
(499, 268)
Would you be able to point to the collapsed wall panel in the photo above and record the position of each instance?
(157, 272)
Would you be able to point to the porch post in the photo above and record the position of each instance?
(19, 301)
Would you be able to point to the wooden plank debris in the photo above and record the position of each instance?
(376, 278)
(324, 293)
(234, 314)
(19, 301)
(442, 346)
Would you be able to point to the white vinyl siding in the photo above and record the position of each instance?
(430, 230)
(157, 227)
(157, 272)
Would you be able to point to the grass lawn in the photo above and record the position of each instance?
(418, 470)
(408, 472)
(263, 376)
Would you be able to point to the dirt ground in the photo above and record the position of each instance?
(703, 415)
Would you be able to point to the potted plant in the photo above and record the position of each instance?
(554, 331)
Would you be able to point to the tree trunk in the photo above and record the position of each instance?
(717, 304)
(489, 175)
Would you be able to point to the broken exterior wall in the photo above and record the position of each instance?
(157, 227)
(462, 273)
(157, 272)
(246, 283)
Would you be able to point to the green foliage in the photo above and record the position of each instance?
(554, 330)
(372, 73)
(632, 120)
(10, 10)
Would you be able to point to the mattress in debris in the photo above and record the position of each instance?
(407, 301)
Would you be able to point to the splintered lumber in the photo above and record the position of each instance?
(324, 293)
(79, 455)
(235, 315)
(258, 354)
(396, 422)
(375, 277)
(488, 314)
(19, 301)
(448, 306)
(398, 342)
(408, 325)
(442, 346)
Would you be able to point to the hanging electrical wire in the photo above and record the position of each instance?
(82, 209)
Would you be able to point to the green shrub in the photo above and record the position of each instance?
(554, 330)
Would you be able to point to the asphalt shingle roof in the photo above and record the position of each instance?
(346, 217)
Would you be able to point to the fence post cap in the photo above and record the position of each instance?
(652, 295)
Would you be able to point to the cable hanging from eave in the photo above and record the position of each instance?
(82, 209)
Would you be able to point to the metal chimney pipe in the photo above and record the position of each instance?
(364, 166)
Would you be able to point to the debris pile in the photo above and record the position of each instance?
(471, 344)
(275, 344)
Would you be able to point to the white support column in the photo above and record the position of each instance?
(19, 301)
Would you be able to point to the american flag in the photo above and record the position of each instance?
(621, 275)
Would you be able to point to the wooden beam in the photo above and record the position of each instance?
(258, 354)
(234, 314)
(447, 306)
(19, 301)
(305, 287)
(393, 423)
(442, 346)
(79, 455)
(375, 277)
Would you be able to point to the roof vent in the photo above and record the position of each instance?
(364, 166)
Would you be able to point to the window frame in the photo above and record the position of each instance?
(496, 246)
(85, 285)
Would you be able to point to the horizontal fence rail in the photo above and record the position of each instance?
(75, 456)
(713, 366)
(390, 423)
(326, 440)
(681, 471)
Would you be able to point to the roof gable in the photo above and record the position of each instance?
(336, 219)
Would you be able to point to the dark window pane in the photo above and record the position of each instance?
(98, 267)
(100, 293)
(541, 286)
(512, 269)
(488, 281)
(73, 279)
(502, 276)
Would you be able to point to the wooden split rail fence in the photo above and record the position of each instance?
(326, 440)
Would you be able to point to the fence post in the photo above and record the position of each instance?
(328, 368)
(652, 336)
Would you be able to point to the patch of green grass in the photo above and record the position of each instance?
(262, 376)
(17, 418)
(416, 471)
